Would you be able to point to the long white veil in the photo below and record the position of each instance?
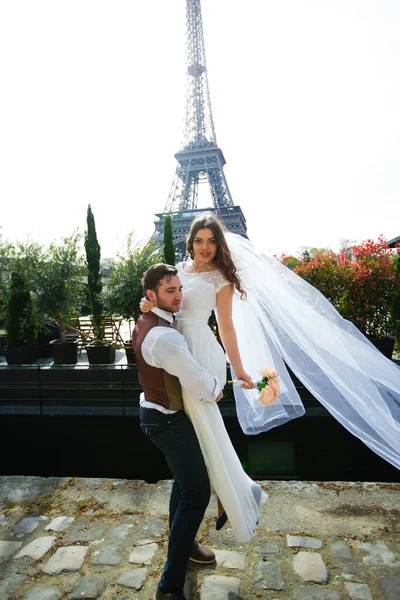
(284, 317)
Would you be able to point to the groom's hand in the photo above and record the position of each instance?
(219, 397)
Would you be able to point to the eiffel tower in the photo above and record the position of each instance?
(200, 160)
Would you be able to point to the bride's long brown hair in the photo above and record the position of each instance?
(223, 257)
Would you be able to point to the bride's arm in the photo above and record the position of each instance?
(228, 334)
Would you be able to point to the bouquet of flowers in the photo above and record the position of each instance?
(269, 386)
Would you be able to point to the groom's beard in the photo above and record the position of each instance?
(171, 307)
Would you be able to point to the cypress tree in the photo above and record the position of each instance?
(169, 246)
(92, 249)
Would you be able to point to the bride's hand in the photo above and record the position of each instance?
(145, 305)
(248, 382)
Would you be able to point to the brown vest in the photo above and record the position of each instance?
(159, 386)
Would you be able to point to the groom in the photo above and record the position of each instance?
(165, 365)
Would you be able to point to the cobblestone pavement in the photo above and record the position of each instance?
(70, 538)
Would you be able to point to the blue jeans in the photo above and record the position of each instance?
(175, 437)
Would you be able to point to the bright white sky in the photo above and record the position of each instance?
(306, 104)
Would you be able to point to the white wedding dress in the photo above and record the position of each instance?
(240, 496)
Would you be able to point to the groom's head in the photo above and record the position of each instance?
(163, 287)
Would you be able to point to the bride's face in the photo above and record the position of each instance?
(205, 246)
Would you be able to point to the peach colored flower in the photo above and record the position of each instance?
(268, 396)
(274, 383)
(268, 372)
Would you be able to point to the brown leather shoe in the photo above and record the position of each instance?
(159, 595)
(201, 554)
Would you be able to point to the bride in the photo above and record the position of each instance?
(209, 280)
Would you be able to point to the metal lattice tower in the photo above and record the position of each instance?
(200, 160)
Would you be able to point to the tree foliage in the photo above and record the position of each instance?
(125, 289)
(92, 249)
(395, 313)
(169, 246)
(362, 282)
(21, 321)
(61, 289)
(24, 258)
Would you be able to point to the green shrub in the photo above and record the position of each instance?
(21, 322)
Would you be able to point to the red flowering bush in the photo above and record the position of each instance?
(324, 271)
(362, 284)
(371, 283)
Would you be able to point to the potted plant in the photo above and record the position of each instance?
(27, 258)
(48, 331)
(60, 292)
(98, 352)
(125, 289)
(21, 323)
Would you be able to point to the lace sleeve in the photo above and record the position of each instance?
(218, 280)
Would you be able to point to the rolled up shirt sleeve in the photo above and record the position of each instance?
(168, 350)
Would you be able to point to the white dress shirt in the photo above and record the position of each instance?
(166, 348)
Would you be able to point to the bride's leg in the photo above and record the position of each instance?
(220, 508)
(222, 516)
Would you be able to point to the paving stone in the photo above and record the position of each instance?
(144, 542)
(8, 584)
(310, 567)
(133, 579)
(84, 531)
(143, 553)
(7, 549)
(356, 577)
(269, 547)
(341, 551)
(121, 531)
(37, 547)
(268, 576)
(390, 587)
(20, 565)
(153, 528)
(59, 524)
(157, 505)
(378, 555)
(108, 555)
(68, 558)
(43, 592)
(358, 591)
(217, 587)
(186, 587)
(28, 525)
(311, 593)
(230, 560)
(89, 587)
(295, 541)
(133, 519)
(4, 520)
(224, 538)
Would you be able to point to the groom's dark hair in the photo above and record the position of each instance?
(154, 274)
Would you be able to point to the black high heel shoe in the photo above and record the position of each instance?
(220, 521)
